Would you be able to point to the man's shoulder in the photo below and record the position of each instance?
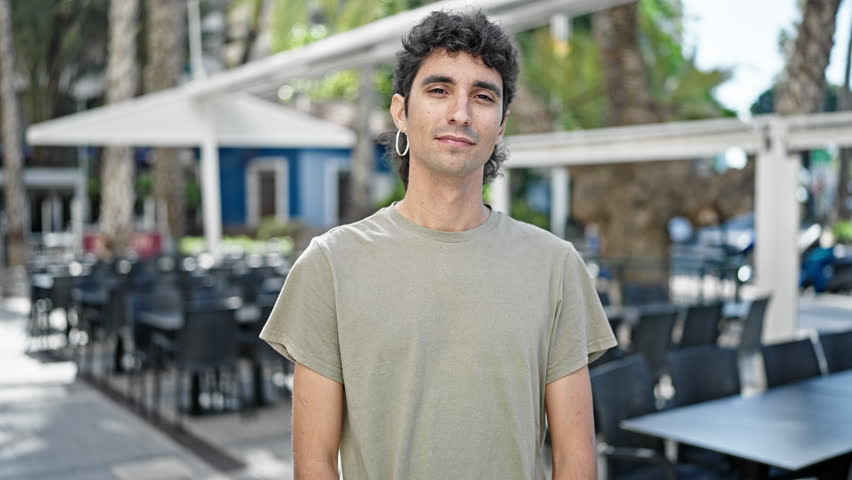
(366, 230)
(535, 237)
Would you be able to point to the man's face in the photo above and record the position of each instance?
(455, 114)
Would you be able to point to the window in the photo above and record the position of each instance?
(266, 189)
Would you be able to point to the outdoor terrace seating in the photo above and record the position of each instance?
(701, 325)
(837, 348)
(623, 389)
(789, 362)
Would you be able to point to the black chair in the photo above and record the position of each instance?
(751, 337)
(624, 389)
(701, 325)
(206, 344)
(255, 350)
(272, 285)
(652, 336)
(103, 315)
(644, 294)
(837, 348)
(701, 374)
(163, 296)
(789, 362)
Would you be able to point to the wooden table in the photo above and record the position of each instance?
(791, 427)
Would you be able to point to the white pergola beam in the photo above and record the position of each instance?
(674, 141)
(377, 42)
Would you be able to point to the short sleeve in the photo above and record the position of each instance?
(581, 332)
(303, 322)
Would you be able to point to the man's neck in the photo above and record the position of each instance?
(447, 206)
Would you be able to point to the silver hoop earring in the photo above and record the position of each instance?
(396, 144)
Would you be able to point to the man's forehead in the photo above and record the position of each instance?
(432, 64)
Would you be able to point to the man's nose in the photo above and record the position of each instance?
(460, 111)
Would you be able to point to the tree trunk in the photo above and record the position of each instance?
(841, 208)
(165, 61)
(616, 32)
(632, 203)
(117, 218)
(364, 156)
(17, 211)
(803, 88)
(623, 199)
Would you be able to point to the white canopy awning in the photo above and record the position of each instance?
(173, 119)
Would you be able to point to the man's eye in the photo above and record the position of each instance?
(485, 97)
(437, 90)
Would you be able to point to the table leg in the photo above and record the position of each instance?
(751, 470)
(194, 394)
(257, 381)
(118, 355)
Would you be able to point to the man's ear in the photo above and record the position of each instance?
(397, 111)
(502, 127)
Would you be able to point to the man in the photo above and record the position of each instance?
(431, 338)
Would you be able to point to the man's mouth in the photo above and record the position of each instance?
(456, 141)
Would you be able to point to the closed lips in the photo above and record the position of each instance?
(455, 139)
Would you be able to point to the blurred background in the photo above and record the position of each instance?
(165, 161)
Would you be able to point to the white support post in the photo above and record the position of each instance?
(777, 229)
(501, 200)
(559, 199)
(210, 200)
(80, 204)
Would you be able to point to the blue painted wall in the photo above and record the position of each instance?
(306, 177)
(314, 165)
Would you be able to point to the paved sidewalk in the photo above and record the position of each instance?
(53, 427)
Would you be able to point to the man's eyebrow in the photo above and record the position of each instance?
(479, 83)
(437, 79)
(489, 86)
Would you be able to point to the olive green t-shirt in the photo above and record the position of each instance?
(444, 341)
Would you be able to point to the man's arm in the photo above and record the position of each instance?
(572, 431)
(317, 425)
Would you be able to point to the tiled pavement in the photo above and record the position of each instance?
(53, 427)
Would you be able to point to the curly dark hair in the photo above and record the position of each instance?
(468, 32)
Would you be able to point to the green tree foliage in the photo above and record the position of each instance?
(566, 75)
(57, 43)
(569, 75)
(680, 90)
(296, 23)
(569, 78)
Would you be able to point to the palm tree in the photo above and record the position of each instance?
(616, 32)
(118, 168)
(16, 200)
(632, 203)
(803, 87)
(165, 61)
(841, 210)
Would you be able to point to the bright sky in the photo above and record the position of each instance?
(743, 35)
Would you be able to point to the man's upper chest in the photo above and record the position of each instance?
(450, 302)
